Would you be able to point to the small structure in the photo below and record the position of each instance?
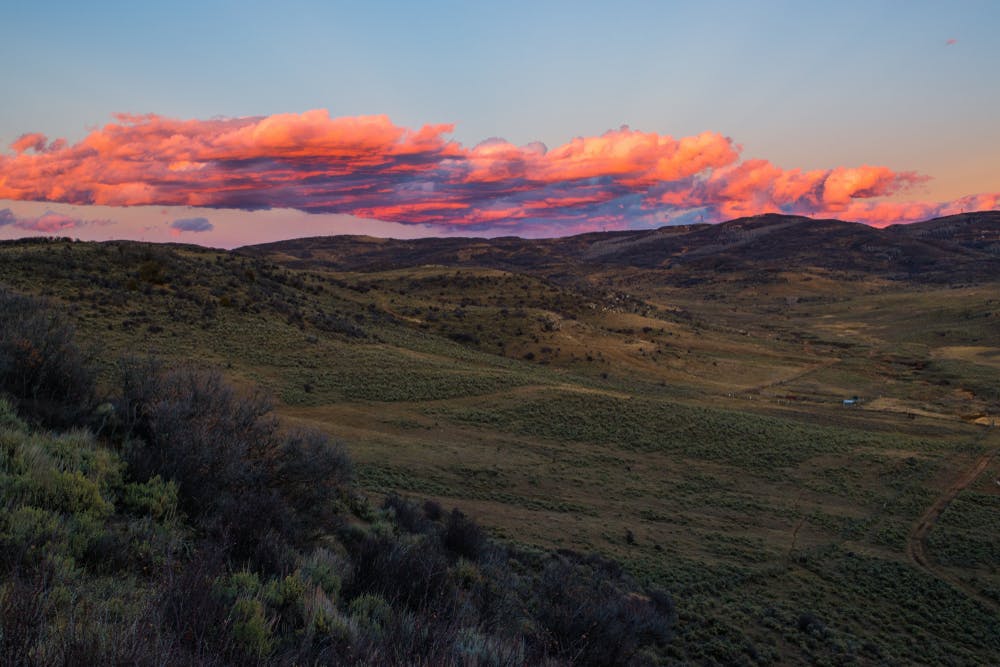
(848, 402)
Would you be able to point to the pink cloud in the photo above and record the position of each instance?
(49, 222)
(367, 166)
(34, 140)
(757, 186)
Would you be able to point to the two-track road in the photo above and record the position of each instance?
(916, 543)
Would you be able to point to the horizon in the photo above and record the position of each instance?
(194, 241)
(287, 124)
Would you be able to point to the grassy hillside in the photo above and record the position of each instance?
(179, 522)
(684, 418)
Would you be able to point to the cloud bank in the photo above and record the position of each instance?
(369, 167)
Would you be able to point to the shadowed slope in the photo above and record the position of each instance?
(959, 248)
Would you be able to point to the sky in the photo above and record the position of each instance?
(229, 123)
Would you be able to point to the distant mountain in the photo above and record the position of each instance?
(955, 248)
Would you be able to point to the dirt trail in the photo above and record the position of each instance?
(916, 543)
(798, 524)
(790, 378)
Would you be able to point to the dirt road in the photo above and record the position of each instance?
(916, 543)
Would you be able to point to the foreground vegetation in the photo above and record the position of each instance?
(687, 425)
(177, 522)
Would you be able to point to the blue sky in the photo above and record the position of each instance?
(802, 85)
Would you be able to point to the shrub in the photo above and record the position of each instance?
(255, 489)
(336, 324)
(205, 460)
(68, 492)
(9, 418)
(407, 515)
(192, 611)
(411, 573)
(107, 552)
(432, 510)
(251, 630)
(139, 383)
(588, 620)
(311, 471)
(462, 536)
(41, 366)
(154, 498)
(476, 648)
(195, 429)
(27, 536)
(151, 271)
(188, 426)
(240, 583)
(326, 570)
(22, 617)
(372, 613)
(287, 596)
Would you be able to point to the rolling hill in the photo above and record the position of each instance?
(957, 247)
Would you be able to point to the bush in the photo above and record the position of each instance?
(22, 617)
(154, 498)
(372, 613)
(407, 515)
(189, 427)
(432, 510)
(9, 418)
(41, 367)
(588, 620)
(311, 472)
(478, 598)
(191, 610)
(251, 631)
(256, 489)
(326, 570)
(411, 573)
(462, 536)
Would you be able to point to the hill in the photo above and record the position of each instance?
(942, 250)
(672, 399)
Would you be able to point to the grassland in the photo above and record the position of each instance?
(695, 433)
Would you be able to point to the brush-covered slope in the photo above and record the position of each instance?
(955, 248)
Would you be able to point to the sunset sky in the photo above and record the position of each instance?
(225, 123)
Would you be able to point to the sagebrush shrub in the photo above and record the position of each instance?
(462, 536)
(257, 489)
(589, 620)
(413, 573)
(41, 366)
(407, 514)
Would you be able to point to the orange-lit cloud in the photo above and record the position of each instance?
(369, 167)
(757, 186)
